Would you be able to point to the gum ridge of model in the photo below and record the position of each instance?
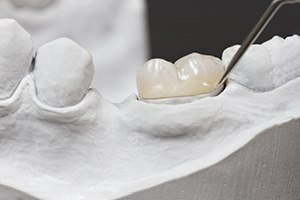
(81, 146)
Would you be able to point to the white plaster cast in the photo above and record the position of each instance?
(271, 64)
(63, 72)
(99, 150)
(16, 52)
(114, 31)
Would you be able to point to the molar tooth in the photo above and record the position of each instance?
(63, 72)
(16, 52)
(191, 75)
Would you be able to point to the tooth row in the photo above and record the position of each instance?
(267, 66)
(191, 75)
(63, 70)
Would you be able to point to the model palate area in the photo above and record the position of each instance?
(191, 75)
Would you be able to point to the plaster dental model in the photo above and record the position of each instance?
(241, 144)
(114, 31)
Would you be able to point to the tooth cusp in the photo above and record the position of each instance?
(191, 75)
(201, 72)
(156, 79)
(63, 73)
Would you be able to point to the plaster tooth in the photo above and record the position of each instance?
(193, 74)
(63, 73)
(16, 51)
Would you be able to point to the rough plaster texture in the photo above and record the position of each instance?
(240, 143)
(48, 150)
(268, 167)
(8, 193)
(273, 173)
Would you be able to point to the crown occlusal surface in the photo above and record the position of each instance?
(191, 75)
(63, 72)
(16, 51)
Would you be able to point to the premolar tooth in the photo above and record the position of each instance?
(63, 72)
(16, 52)
(199, 73)
(191, 75)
